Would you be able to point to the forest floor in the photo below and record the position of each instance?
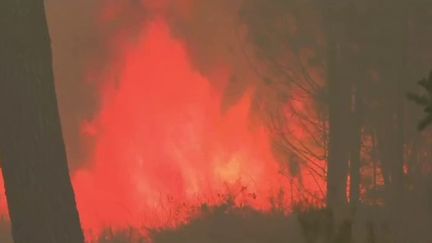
(229, 224)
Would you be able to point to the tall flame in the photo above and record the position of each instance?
(161, 145)
(161, 140)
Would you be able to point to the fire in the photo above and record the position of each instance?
(161, 145)
(160, 134)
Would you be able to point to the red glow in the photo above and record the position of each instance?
(161, 145)
(161, 141)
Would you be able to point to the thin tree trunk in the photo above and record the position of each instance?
(38, 189)
(355, 149)
(374, 163)
(400, 101)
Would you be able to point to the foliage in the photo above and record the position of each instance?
(229, 224)
(424, 100)
(125, 236)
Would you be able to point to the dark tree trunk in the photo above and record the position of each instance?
(356, 72)
(401, 65)
(38, 188)
(339, 91)
(394, 72)
(344, 123)
(398, 170)
(390, 135)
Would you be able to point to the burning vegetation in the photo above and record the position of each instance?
(244, 120)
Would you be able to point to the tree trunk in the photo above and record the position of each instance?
(38, 189)
(339, 91)
(401, 65)
(355, 147)
(394, 72)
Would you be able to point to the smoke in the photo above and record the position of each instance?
(160, 134)
(162, 111)
(175, 127)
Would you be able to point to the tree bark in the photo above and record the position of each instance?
(393, 68)
(39, 193)
(339, 109)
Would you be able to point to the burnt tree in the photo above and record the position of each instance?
(38, 187)
(339, 90)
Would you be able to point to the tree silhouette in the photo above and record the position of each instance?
(424, 100)
(38, 188)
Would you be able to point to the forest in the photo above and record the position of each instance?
(210, 121)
